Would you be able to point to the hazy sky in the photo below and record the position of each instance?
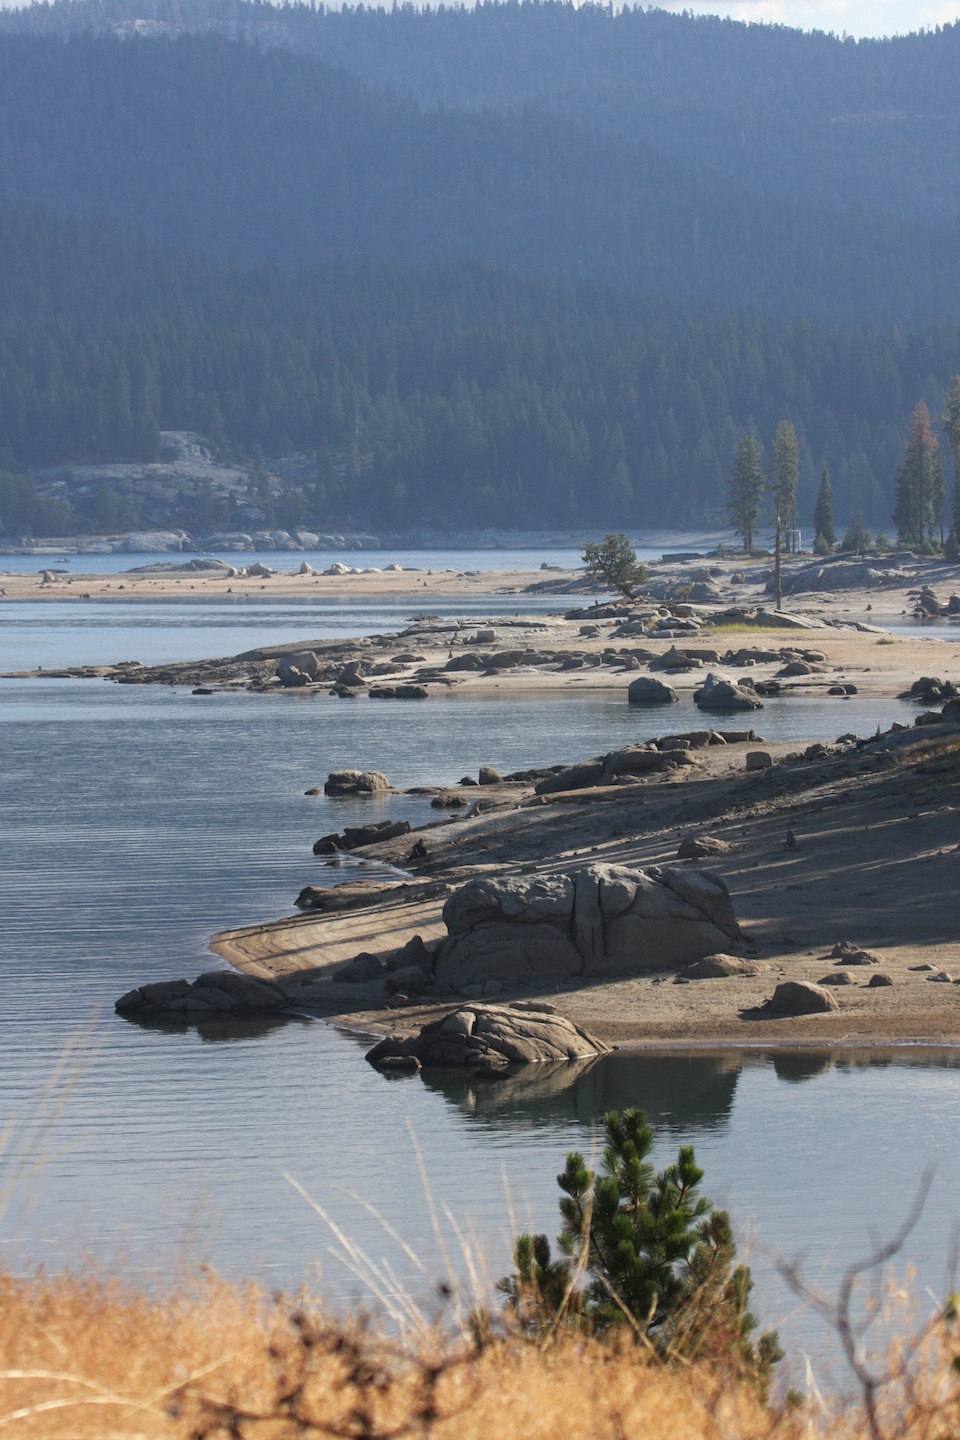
(855, 17)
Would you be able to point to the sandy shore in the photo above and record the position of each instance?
(282, 585)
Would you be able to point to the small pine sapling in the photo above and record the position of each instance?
(645, 1251)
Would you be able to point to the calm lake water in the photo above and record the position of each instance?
(648, 547)
(136, 822)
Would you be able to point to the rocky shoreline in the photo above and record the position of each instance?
(594, 904)
(848, 842)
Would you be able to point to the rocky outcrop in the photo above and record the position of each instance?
(648, 691)
(601, 920)
(355, 782)
(719, 967)
(215, 995)
(930, 690)
(490, 1038)
(398, 692)
(654, 756)
(573, 777)
(844, 574)
(300, 668)
(155, 542)
(676, 661)
(846, 953)
(719, 693)
(354, 837)
(701, 847)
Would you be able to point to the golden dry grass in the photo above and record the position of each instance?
(83, 1357)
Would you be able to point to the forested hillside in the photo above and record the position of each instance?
(518, 264)
(869, 124)
(451, 393)
(248, 155)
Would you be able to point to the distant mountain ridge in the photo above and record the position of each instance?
(522, 264)
(250, 155)
(450, 394)
(869, 124)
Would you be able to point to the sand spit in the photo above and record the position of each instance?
(822, 643)
(856, 847)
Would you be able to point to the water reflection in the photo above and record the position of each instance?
(796, 1066)
(239, 1027)
(680, 1093)
(806, 1064)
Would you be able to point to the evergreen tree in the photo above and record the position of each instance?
(613, 561)
(858, 538)
(784, 479)
(746, 487)
(642, 1248)
(919, 494)
(823, 512)
(950, 420)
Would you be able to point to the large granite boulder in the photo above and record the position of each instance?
(491, 1037)
(719, 693)
(648, 691)
(355, 782)
(601, 920)
(801, 997)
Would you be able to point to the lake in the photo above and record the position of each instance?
(136, 822)
(649, 546)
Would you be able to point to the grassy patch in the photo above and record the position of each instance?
(81, 1356)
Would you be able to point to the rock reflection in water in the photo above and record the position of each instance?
(678, 1092)
(796, 1066)
(237, 1027)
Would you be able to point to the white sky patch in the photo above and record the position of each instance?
(850, 17)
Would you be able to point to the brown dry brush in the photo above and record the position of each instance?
(86, 1357)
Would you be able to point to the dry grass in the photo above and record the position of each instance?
(83, 1357)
